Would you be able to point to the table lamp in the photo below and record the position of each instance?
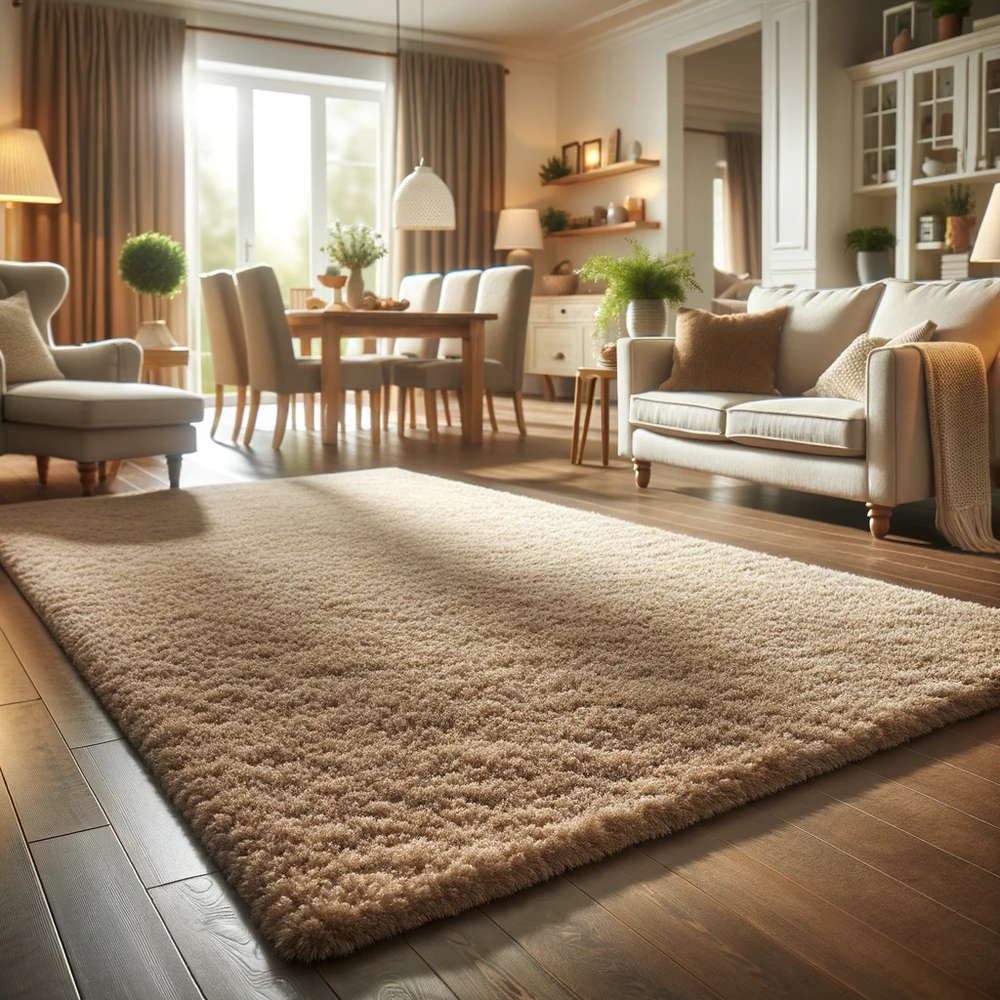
(987, 247)
(519, 230)
(25, 176)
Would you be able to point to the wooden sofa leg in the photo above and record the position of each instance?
(642, 472)
(878, 519)
(88, 477)
(174, 470)
(42, 464)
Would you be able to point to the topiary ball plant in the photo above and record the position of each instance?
(153, 264)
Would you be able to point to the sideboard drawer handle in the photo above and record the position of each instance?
(563, 311)
(559, 356)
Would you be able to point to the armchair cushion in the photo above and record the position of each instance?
(734, 353)
(27, 357)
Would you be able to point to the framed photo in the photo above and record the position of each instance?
(613, 142)
(591, 155)
(571, 156)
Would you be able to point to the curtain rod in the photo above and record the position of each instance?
(330, 46)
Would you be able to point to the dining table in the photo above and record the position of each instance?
(332, 326)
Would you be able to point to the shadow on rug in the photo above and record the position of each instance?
(380, 698)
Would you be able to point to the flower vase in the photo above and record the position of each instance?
(646, 318)
(354, 291)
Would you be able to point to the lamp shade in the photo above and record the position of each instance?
(519, 229)
(423, 202)
(987, 246)
(25, 172)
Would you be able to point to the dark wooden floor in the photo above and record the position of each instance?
(879, 880)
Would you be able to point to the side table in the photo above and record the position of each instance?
(586, 385)
(156, 361)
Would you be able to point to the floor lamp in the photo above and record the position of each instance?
(25, 176)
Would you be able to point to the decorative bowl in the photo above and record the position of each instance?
(332, 280)
(933, 168)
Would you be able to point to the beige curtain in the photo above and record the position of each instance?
(104, 88)
(451, 112)
(743, 186)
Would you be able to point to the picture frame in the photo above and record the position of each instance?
(591, 155)
(571, 156)
(614, 142)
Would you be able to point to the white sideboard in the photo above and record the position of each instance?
(560, 336)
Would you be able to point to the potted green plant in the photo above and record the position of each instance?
(155, 265)
(552, 169)
(354, 247)
(640, 285)
(958, 207)
(872, 245)
(554, 220)
(949, 15)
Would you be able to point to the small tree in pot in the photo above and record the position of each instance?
(153, 264)
(872, 244)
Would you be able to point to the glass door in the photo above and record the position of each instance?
(879, 131)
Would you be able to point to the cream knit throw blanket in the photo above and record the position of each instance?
(958, 412)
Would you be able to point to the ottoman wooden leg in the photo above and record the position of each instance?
(88, 477)
(642, 471)
(42, 464)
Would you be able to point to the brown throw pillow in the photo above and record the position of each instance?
(735, 353)
(26, 356)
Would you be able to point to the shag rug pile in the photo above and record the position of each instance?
(381, 698)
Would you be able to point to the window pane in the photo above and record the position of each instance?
(281, 166)
(216, 138)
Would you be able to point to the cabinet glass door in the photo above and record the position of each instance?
(989, 118)
(879, 104)
(937, 120)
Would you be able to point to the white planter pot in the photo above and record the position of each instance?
(873, 265)
(646, 318)
(155, 334)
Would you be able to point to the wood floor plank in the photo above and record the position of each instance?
(50, 794)
(74, 707)
(961, 947)
(960, 751)
(589, 950)
(117, 945)
(32, 962)
(699, 933)
(389, 969)
(985, 727)
(932, 821)
(474, 957)
(958, 884)
(156, 838)
(824, 935)
(959, 789)
(14, 682)
(220, 944)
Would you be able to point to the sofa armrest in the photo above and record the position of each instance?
(644, 363)
(118, 360)
(900, 465)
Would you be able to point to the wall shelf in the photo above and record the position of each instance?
(624, 227)
(612, 170)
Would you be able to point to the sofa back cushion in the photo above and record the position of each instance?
(963, 310)
(820, 323)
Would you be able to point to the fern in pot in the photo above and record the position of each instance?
(872, 245)
(640, 285)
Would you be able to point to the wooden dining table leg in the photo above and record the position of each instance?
(473, 362)
(330, 394)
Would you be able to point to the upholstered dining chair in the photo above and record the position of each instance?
(271, 359)
(227, 339)
(505, 291)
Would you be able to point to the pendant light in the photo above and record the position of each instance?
(422, 202)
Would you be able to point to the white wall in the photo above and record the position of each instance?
(701, 155)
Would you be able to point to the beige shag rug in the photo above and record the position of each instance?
(381, 698)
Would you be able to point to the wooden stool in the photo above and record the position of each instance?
(586, 383)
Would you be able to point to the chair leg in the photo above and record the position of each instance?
(42, 465)
(342, 410)
(309, 402)
(522, 428)
(88, 477)
(241, 402)
(252, 418)
(219, 392)
(430, 412)
(447, 407)
(375, 406)
(292, 400)
(281, 421)
(174, 470)
(386, 406)
(492, 412)
(357, 410)
(401, 411)
(413, 409)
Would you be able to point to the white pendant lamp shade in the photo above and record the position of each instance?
(519, 230)
(423, 202)
(987, 246)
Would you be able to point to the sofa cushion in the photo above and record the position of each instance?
(26, 355)
(734, 353)
(686, 414)
(817, 426)
(819, 325)
(846, 377)
(73, 403)
(963, 310)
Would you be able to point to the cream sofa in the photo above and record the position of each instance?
(99, 412)
(877, 451)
